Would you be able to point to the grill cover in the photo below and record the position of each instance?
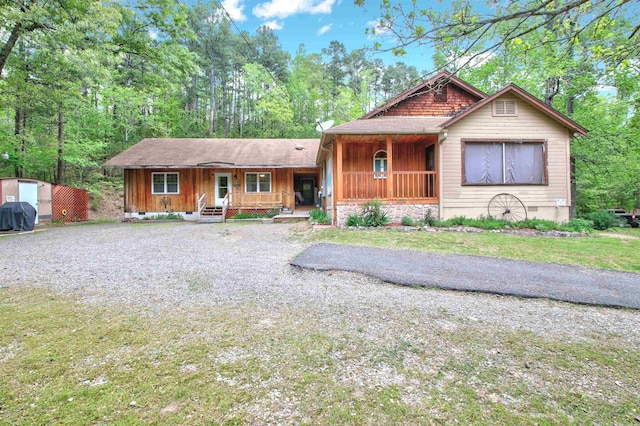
(17, 216)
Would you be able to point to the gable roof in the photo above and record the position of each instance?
(221, 153)
(392, 125)
(442, 75)
(523, 94)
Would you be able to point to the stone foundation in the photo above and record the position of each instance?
(395, 212)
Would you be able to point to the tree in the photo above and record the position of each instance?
(479, 31)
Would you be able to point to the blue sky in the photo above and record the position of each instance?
(315, 23)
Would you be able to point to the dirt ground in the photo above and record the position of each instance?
(109, 207)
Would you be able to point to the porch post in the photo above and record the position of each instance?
(338, 179)
(389, 168)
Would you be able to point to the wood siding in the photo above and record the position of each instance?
(424, 104)
(406, 176)
(540, 200)
(194, 182)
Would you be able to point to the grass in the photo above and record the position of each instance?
(66, 362)
(616, 249)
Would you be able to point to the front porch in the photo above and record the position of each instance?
(392, 168)
(233, 203)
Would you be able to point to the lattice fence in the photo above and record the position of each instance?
(70, 204)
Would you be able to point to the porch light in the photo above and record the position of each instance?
(5, 156)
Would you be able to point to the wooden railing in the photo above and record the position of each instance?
(225, 206)
(374, 185)
(256, 199)
(202, 202)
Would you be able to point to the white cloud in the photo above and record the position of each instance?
(284, 8)
(153, 34)
(234, 9)
(325, 29)
(274, 25)
(380, 29)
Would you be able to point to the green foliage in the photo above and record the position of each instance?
(490, 223)
(165, 216)
(355, 220)
(319, 216)
(603, 220)
(253, 215)
(578, 225)
(372, 214)
(429, 218)
(407, 221)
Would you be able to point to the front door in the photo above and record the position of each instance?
(28, 191)
(308, 190)
(222, 187)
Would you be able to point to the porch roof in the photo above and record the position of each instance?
(220, 153)
(390, 125)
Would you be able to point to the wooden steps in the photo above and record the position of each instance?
(211, 214)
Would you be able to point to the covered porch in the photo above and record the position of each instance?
(389, 168)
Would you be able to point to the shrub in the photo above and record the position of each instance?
(429, 218)
(603, 220)
(319, 216)
(373, 215)
(355, 220)
(578, 225)
(407, 221)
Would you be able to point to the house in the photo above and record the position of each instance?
(447, 148)
(212, 179)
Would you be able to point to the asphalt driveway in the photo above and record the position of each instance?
(479, 274)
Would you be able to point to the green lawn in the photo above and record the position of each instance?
(619, 250)
(65, 362)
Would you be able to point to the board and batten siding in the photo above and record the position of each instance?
(541, 201)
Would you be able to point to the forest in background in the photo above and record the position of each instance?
(82, 81)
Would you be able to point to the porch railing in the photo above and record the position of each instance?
(202, 202)
(256, 200)
(373, 185)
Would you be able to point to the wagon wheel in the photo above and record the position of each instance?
(507, 207)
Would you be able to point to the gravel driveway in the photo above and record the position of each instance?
(153, 266)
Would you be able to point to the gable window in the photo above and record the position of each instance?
(165, 183)
(257, 182)
(380, 165)
(440, 94)
(504, 163)
(505, 107)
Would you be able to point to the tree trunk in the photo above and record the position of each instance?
(60, 175)
(9, 45)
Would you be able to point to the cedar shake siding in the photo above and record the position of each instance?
(425, 104)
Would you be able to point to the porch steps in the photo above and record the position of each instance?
(211, 214)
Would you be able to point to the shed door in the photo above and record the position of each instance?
(28, 191)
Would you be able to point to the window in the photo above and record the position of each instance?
(440, 94)
(257, 182)
(165, 183)
(504, 163)
(380, 164)
(505, 107)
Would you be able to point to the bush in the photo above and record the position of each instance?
(319, 216)
(429, 218)
(603, 220)
(578, 225)
(373, 215)
(407, 221)
(355, 220)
